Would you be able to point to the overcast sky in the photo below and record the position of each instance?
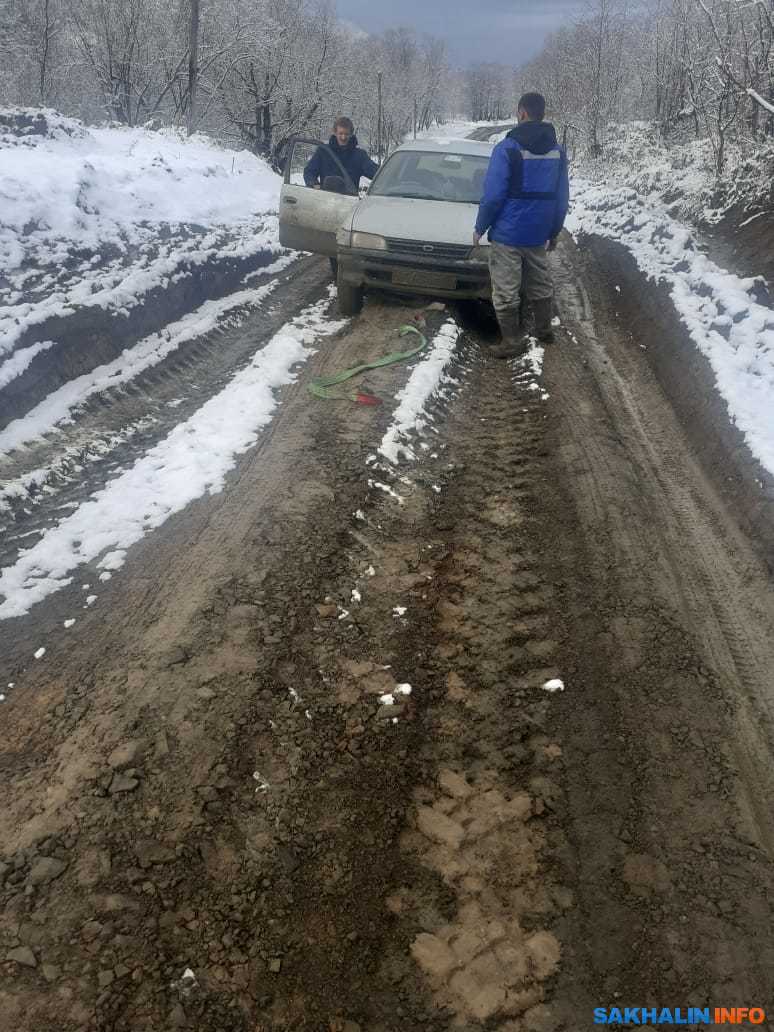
(506, 31)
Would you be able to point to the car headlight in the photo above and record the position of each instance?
(370, 240)
(480, 253)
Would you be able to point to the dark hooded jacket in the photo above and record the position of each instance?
(353, 158)
(526, 189)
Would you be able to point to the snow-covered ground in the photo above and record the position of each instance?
(455, 129)
(100, 216)
(681, 175)
(726, 323)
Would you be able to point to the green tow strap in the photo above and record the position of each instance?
(321, 386)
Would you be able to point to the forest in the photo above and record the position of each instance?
(254, 73)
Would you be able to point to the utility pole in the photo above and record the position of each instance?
(415, 118)
(193, 65)
(379, 116)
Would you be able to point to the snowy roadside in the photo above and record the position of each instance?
(720, 310)
(98, 217)
(190, 462)
(680, 175)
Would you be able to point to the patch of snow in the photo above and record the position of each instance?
(554, 685)
(752, 218)
(410, 417)
(40, 653)
(387, 490)
(68, 623)
(399, 610)
(20, 360)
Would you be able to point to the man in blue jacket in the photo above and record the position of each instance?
(523, 206)
(343, 144)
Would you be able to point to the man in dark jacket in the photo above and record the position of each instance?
(343, 143)
(523, 206)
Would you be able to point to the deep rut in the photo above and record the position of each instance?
(117, 425)
(487, 816)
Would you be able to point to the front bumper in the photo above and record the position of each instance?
(383, 269)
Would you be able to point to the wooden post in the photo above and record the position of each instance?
(193, 65)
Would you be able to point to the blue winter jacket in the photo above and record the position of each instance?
(526, 189)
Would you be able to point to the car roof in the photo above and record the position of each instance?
(458, 146)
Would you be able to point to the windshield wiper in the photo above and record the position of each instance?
(414, 196)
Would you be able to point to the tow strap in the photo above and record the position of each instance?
(322, 386)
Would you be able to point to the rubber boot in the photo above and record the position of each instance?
(514, 342)
(544, 310)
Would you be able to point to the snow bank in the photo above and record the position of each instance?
(190, 462)
(728, 326)
(84, 189)
(98, 217)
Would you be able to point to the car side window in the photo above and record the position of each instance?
(313, 165)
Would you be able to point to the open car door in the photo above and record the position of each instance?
(309, 218)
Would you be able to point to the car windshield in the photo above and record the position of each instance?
(432, 176)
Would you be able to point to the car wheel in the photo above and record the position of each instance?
(350, 299)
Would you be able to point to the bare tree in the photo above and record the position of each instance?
(193, 64)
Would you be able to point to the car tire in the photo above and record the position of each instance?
(350, 298)
(334, 267)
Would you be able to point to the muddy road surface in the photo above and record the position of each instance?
(480, 741)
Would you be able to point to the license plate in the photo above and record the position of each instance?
(420, 278)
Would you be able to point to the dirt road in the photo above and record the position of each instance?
(214, 819)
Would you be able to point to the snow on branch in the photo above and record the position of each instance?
(759, 100)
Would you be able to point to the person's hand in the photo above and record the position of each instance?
(551, 245)
(476, 238)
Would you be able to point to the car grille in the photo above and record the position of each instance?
(427, 249)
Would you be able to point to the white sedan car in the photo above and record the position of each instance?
(412, 232)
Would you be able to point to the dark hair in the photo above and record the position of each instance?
(344, 122)
(534, 104)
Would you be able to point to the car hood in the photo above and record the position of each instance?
(443, 222)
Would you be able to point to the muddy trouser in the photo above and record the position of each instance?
(508, 266)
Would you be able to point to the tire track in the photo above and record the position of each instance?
(114, 427)
(485, 819)
(699, 556)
